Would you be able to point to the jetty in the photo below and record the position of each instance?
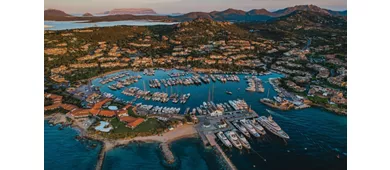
(168, 155)
(208, 126)
(101, 156)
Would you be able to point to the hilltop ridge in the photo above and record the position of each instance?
(225, 15)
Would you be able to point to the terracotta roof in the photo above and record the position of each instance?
(80, 112)
(51, 107)
(126, 107)
(127, 119)
(68, 106)
(95, 111)
(107, 113)
(135, 123)
(98, 105)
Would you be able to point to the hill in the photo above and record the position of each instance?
(312, 8)
(87, 15)
(124, 11)
(255, 14)
(260, 12)
(54, 14)
(308, 20)
(203, 30)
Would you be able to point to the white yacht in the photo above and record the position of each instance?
(233, 137)
(250, 128)
(257, 127)
(242, 129)
(272, 126)
(224, 139)
(244, 142)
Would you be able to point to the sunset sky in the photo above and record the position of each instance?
(183, 6)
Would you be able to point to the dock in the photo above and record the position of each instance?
(227, 160)
(207, 134)
(102, 154)
(168, 155)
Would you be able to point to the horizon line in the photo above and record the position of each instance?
(270, 10)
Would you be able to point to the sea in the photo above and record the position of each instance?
(64, 25)
(318, 138)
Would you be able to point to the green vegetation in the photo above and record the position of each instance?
(48, 102)
(131, 113)
(150, 126)
(59, 110)
(318, 100)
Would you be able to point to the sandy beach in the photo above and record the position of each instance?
(183, 131)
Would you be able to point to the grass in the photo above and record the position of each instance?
(318, 100)
(149, 127)
(59, 110)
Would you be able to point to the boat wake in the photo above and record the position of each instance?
(277, 114)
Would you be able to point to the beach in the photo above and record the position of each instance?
(184, 131)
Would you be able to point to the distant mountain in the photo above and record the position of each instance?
(260, 12)
(87, 15)
(55, 12)
(203, 30)
(124, 11)
(231, 11)
(194, 15)
(312, 8)
(308, 20)
(255, 14)
(226, 15)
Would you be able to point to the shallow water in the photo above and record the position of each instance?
(63, 25)
(190, 155)
(64, 152)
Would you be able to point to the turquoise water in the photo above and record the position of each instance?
(318, 137)
(198, 93)
(190, 153)
(63, 25)
(64, 152)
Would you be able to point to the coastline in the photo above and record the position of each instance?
(184, 131)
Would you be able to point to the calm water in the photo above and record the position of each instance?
(317, 136)
(190, 153)
(63, 25)
(64, 152)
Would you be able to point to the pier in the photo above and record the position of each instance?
(168, 155)
(207, 133)
(101, 156)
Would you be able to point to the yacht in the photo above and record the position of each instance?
(247, 125)
(258, 127)
(224, 139)
(199, 110)
(233, 137)
(244, 142)
(272, 126)
(242, 129)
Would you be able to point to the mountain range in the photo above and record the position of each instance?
(226, 15)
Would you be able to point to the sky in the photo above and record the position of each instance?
(184, 6)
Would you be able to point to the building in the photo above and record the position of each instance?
(131, 122)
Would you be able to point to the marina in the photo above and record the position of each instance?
(209, 126)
